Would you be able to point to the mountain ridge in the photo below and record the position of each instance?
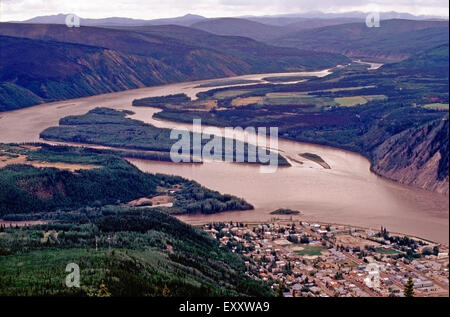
(60, 18)
(187, 19)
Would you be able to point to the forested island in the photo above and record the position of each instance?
(103, 126)
(282, 212)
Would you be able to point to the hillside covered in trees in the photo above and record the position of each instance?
(83, 199)
(41, 184)
(120, 252)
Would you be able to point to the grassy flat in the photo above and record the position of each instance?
(310, 250)
(437, 106)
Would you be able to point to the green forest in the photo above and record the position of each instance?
(26, 189)
(124, 252)
(121, 250)
(103, 126)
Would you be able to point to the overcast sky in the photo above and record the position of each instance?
(150, 9)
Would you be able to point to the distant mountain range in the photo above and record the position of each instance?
(186, 20)
(190, 19)
(384, 15)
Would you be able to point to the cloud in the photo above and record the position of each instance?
(24, 9)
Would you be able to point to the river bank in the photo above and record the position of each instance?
(347, 193)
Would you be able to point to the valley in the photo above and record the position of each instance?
(90, 60)
(335, 195)
(357, 108)
(235, 155)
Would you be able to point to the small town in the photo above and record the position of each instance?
(301, 259)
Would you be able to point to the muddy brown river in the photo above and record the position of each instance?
(348, 193)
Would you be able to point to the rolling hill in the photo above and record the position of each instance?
(264, 29)
(307, 22)
(395, 40)
(240, 27)
(256, 53)
(434, 61)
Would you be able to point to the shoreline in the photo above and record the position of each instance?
(322, 223)
(275, 220)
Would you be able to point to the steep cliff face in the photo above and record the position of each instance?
(417, 157)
